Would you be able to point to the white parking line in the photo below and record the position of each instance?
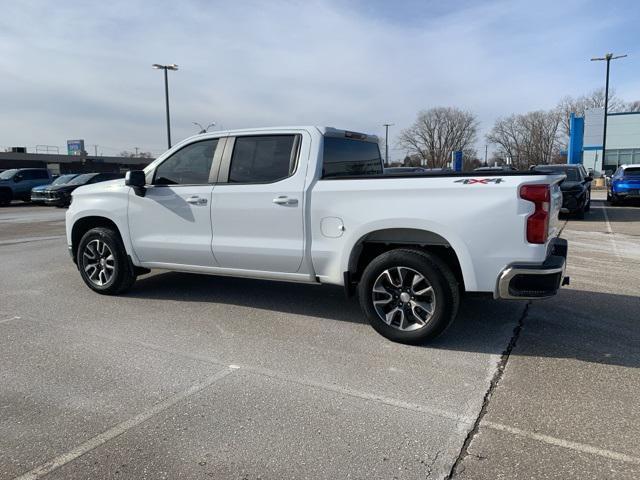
(9, 319)
(612, 237)
(121, 428)
(16, 241)
(559, 442)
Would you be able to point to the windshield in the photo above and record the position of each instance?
(7, 174)
(632, 172)
(63, 179)
(571, 173)
(82, 179)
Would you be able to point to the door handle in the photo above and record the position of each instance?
(284, 200)
(195, 200)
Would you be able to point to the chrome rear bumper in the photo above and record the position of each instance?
(535, 281)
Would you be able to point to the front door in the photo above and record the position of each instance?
(257, 208)
(171, 223)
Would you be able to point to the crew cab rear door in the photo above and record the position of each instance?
(257, 212)
(171, 223)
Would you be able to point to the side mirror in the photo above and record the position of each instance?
(17, 177)
(137, 180)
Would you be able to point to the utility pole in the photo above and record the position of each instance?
(171, 66)
(486, 149)
(608, 57)
(95, 150)
(386, 142)
(137, 148)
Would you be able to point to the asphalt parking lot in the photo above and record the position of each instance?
(191, 376)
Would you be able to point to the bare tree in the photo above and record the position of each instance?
(527, 139)
(437, 132)
(633, 106)
(578, 105)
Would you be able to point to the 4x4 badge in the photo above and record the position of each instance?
(483, 181)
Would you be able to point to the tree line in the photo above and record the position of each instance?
(524, 139)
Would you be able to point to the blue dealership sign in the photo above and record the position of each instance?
(456, 161)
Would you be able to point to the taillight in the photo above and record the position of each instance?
(538, 221)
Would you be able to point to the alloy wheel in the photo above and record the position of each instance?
(98, 262)
(403, 298)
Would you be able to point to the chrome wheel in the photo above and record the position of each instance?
(403, 298)
(98, 262)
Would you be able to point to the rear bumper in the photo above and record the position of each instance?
(535, 281)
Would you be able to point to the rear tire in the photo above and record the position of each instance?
(103, 262)
(416, 295)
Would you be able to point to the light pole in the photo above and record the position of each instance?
(608, 57)
(204, 129)
(386, 142)
(171, 66)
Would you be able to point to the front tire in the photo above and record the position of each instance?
(409, 296)
(103, 262)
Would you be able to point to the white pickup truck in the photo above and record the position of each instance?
(312, 204)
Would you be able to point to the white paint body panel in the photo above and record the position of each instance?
(241, 232)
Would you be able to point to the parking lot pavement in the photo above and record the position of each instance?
(23, 222)
(567, 403)
(208, 377)
(98, 386)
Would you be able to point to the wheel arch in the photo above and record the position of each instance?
(379, 241)
(84, 224)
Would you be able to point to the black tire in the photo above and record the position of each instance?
(580, 212)
(123, 273)
(587, 207)
(614, 200)
(5, 197)
(446, 294)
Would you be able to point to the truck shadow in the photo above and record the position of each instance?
(588, 326)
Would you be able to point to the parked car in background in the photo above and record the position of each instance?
(312, 204)
(576, 188)
(16, 183)
(60, 195)
(403, 170)
(496, 168)
(37, 193)
(624, 184)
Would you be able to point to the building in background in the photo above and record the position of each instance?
(59, 164)
(623, 140)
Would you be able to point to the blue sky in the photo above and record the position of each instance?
(83, 69)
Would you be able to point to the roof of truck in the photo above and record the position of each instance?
(326, 131)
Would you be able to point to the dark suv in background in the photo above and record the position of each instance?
(576, 188)
(16, 184)
(37, 193)
(60, 195)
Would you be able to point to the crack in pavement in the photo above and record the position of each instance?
(497, 376)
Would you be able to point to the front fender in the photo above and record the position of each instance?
(111, 203)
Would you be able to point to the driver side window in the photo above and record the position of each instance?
(188, 166)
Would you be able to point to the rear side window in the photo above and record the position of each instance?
(263, 159)
(632, 172)
(188, 166)
(346, 157)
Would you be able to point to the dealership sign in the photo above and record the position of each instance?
(75, 147)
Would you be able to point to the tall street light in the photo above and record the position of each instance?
(386, 142)
(608, 57)
(171, 66)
